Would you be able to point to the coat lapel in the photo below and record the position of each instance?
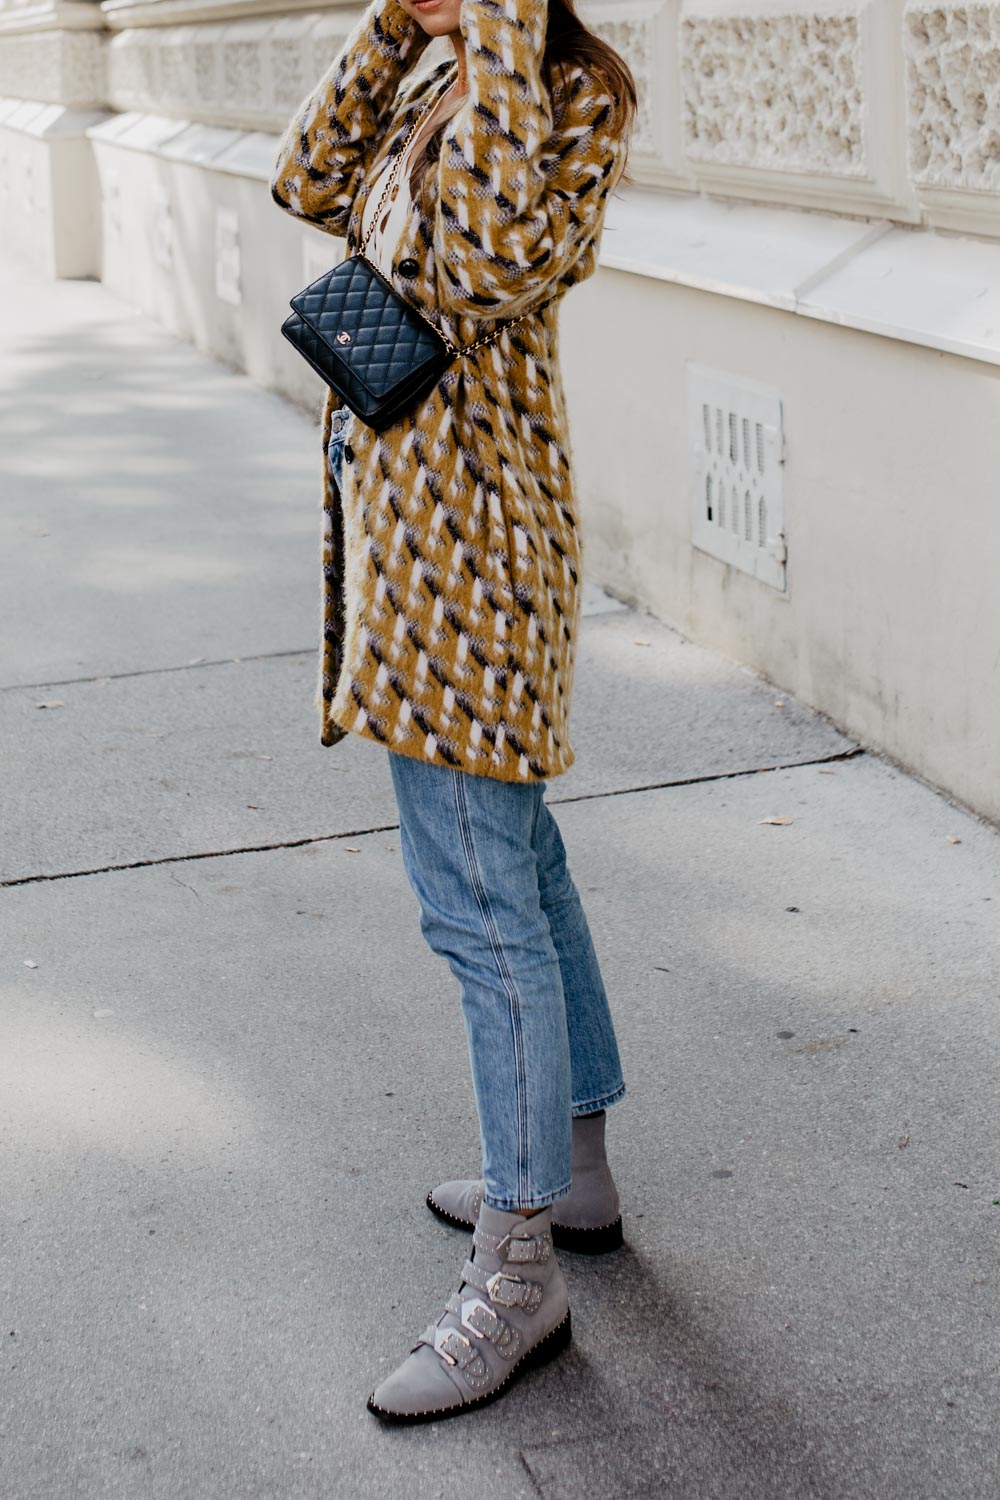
(435, 85)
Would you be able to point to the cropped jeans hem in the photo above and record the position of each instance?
(591, 1106)
(536, 1200)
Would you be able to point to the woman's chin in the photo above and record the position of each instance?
(437, 17)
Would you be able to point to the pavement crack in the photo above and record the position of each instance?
(188, 666)
(177, 881)
(176, 859)
(357, 833)
(660, 786)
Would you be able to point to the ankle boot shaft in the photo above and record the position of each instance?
(587, 1220)
(594, 1197)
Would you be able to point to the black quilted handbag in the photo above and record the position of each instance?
(375, 350)
(379, 353)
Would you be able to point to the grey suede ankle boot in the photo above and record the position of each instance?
(587, 1220)
(510, 1314)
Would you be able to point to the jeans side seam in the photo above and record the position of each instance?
(465, 828)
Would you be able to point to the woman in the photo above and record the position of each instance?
(451, 600)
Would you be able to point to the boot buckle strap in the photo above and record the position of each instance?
(482, 1320)
(449, 1346)
(516, 1248)
(479, 1318)
(503, 1288)
(511, 1291)
(534, 1248)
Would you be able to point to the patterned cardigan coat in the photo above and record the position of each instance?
(451, 555)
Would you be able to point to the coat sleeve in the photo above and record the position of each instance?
(519, 198)
(335, 131)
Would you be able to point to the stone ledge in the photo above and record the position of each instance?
(243, 153)
(48, 122)
(51, 15)
(919, 286)
(922, 287)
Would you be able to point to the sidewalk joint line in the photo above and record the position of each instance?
(175, 859)
(190, 666)
(357, 833)
(659, 786)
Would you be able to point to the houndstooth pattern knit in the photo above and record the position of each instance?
(452, 555)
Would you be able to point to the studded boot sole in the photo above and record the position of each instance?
(552, 1344)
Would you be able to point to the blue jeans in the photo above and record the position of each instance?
(488, 866)
(340, 422)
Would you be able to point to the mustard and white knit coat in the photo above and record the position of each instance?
(452, 556)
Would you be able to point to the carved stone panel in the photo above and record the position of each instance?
(249, 74)
(780, 91)
(206, 73)
(243, 45)
(953, 111)
(797, 101)
(54, 67)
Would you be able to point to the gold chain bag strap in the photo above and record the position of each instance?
(378, 352)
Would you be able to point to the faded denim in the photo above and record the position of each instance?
(340, 425)
(488, 866)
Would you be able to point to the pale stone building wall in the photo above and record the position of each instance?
(785, 378)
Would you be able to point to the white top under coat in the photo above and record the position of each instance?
(385, 240)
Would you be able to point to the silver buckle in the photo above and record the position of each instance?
(450, 1333)
(468, 1312)
(492, 1282)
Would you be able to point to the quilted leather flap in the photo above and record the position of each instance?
(367, 325)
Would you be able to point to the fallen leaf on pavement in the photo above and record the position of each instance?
(781, 821)
(953, 840)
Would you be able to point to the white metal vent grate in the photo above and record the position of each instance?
(736, 457)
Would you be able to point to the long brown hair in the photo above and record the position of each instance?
(568, 42)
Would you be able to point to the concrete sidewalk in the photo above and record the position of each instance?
(232, 1070)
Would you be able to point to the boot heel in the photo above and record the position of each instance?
(552, 1344)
